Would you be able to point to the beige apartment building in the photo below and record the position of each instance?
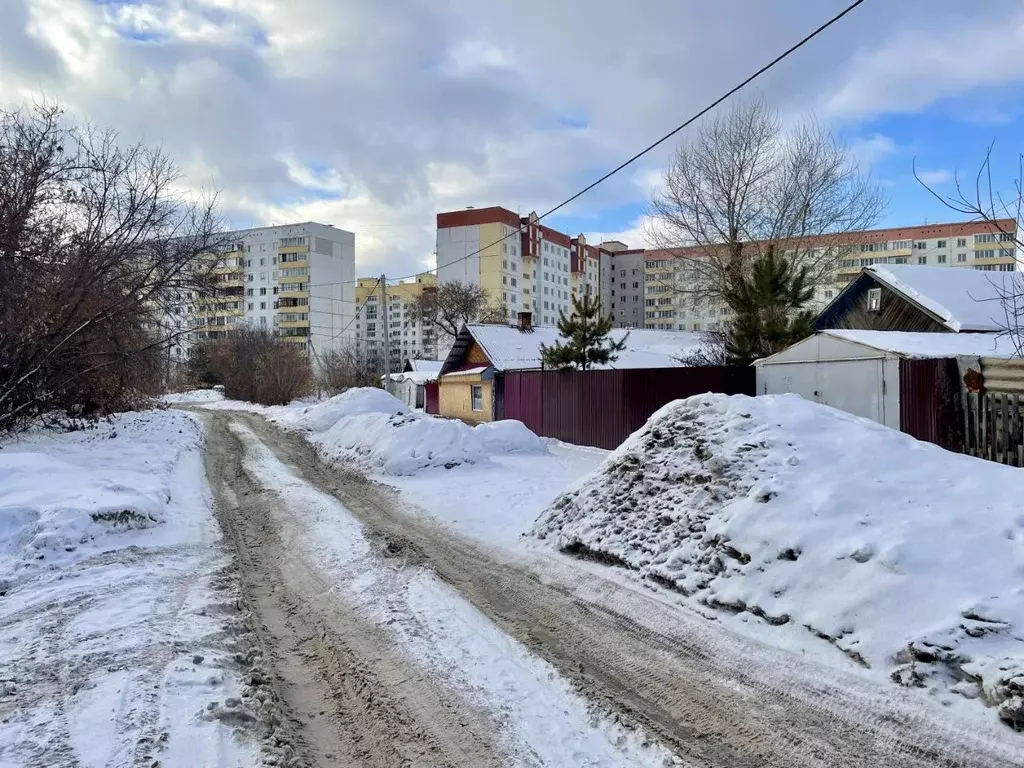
(958, 245)
(407, 337)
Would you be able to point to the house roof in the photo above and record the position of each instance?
(428, 366)
(510, 349)
(417, 377)
(933, 345)
(960, 299)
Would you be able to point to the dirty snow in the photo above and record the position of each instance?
(117, 604)
(543, 720)
(908, 558)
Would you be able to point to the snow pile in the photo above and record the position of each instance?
(908, 558)
(194, 396)
(57, 495)
(379, 433)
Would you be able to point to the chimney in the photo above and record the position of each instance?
(525, 321)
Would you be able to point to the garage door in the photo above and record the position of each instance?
(854, 386)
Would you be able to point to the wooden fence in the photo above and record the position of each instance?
(995, 428)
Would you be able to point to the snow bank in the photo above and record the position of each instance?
(908, 558)
(379, 433)
(59, 492)
(194, 396)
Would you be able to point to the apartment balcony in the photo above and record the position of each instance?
(293, 323)
(294, 339)
(303, 294)
(292, 264)
(290, 305)
(293, 249)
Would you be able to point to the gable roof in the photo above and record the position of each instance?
(957, 298)
(510, 349)
(428, 366)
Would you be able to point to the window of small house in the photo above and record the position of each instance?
(874, 299)
(476, 395)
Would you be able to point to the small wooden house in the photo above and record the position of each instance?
(898, 297)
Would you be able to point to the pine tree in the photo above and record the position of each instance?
(768, 307)
(585, 335)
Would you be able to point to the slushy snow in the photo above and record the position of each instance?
(906, 557)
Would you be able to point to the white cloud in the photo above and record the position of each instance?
(935, 177)
(374, 116)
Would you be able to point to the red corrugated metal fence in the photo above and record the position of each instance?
(930, 402)
(602, 408)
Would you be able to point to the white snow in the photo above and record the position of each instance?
(963, 299)
(933, 345)
(908, 558)
(543, 721)
(379, 433)
(194, 396)
(112, 580)
(497, 502)
(508, 348)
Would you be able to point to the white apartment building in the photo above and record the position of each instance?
(963, 245)
(622, 283)
(536, 270)
(407, 337)
(298, 279)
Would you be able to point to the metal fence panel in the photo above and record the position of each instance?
(931, 408)
(602, 408)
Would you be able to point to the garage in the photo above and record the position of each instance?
(907, 381)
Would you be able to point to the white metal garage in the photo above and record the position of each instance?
(859, 371)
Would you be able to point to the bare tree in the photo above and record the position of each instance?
(255, 364)
(712, 350)
(351, 365)
(451, 305)
(95, 247)
(1001, 211)
(747, 183)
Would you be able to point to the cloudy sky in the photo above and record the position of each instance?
(373, 115)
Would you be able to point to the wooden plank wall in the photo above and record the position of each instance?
(994, 428)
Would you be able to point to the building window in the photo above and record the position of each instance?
(961, 242)
(920, 245)
(263, 291)
(940, 244)
(941, 258)
(828, 295)
(874, 299)
(250, 305)
(986, 238)
(248, 291)
(476, 396)
(1006, 237)
(961, 257)
(922, 259)
(263, 305)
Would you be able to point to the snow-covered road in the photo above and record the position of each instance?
(713, 697)
(119, 621)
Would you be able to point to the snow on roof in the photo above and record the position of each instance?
(933, 345)
(469, 371)
(429, 366)
(510, 349)
(418, 377)
(962, 299)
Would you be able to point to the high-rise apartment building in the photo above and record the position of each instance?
(622, 283)
(535, 270)
(297, 279)
(407, 336)
(964, 245)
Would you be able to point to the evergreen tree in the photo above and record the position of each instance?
(768, 307)
(585, 335)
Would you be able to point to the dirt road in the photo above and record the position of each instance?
(712, 698)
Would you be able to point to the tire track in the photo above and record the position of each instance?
(700, 696)
(345, 697)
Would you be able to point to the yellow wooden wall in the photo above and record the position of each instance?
(456, 402)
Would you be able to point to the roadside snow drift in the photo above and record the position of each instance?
(908, 558)
(121, 638)
(194, 396)
(379, 433)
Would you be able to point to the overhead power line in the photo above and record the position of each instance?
(731, 92)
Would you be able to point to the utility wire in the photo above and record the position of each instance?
(736, 88)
